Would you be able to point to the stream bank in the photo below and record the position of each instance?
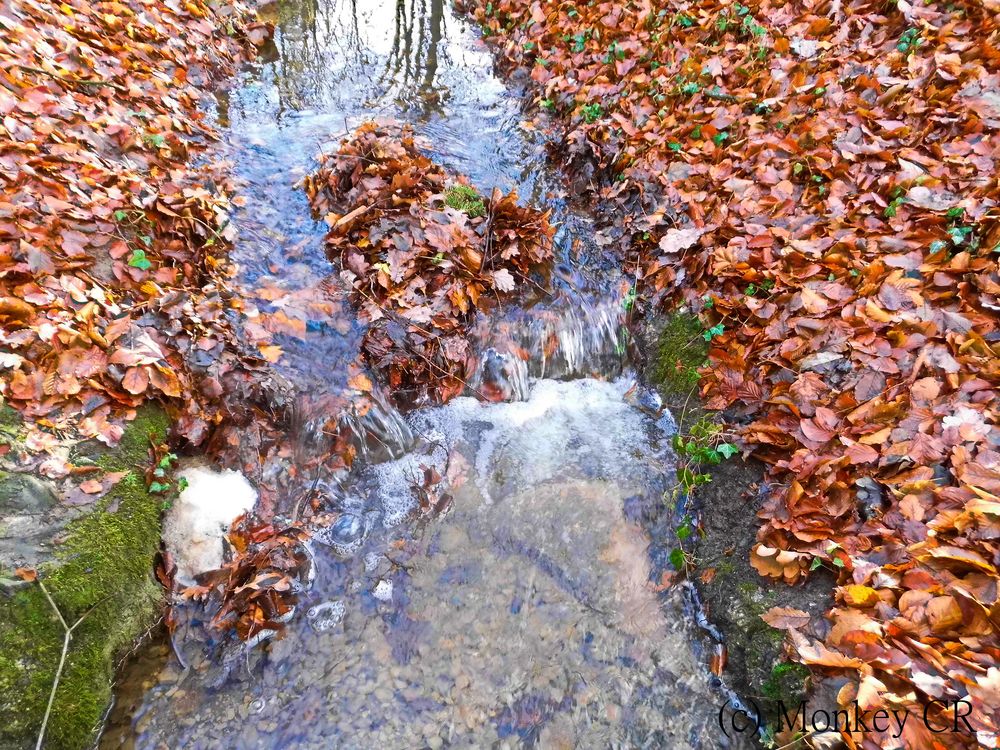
(97, 560)
(733, 594)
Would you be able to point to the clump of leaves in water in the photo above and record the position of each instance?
(466, 199)
(426, 294)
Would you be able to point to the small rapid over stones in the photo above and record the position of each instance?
(489, 574)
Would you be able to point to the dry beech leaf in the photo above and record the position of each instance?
(784, 618)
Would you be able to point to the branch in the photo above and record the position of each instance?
(74, 81)
(62, 657)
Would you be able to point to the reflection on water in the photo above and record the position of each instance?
(383, 52)
(333, 65)
(527, 614)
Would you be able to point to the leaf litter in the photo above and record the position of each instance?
(422, 253)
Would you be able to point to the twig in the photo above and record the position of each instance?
(74, 81)
(722, 96)
(62, 658)
(803, 738)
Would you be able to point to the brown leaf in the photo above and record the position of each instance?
(784, 618)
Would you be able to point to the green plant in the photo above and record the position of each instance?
(465, 199)
(614, 53)
(898, 199)
(132, 225)
(704, 444)
(592, 112)
(628, 302)
(160, 482)
(139, 260)
(717, 330)
(909, 41)
(680, 559)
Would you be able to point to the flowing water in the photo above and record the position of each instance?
(529, 609)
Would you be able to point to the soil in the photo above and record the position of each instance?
(733, 595)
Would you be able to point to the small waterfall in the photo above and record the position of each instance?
(378, 430)
(580, 341)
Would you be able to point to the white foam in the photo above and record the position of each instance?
(198, 520)
(587, 421)
(588, 411)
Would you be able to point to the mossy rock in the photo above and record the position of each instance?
(10, 426)
(679, 349)
(104, 571)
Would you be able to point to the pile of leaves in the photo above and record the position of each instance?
(113, 276)
(258, 587)
(422, 252)
(818, 179)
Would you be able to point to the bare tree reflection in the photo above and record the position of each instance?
(339, 54)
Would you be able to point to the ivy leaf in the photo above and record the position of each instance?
(728, 450)
(677, 558)
(139, 260)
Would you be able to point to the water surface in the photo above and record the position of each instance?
(529, 609)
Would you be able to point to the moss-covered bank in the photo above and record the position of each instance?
(104, 567)
(733, 593)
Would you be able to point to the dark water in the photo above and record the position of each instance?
(527, 614)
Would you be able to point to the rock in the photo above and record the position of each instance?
(25, 494)
(27, 521)
(383, 591)
(197, 522)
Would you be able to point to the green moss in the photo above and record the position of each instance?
(9, 417)
(105, 564)
(465, 198)
(149, 426)
(680, 351)
(787, 683)
(10, 425)
(725, 568)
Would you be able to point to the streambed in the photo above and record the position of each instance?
(528, 612)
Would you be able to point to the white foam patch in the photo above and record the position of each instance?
(587, 421)
(198, 520)
(395, 481)
(592, 414)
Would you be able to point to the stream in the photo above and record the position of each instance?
(528, 612)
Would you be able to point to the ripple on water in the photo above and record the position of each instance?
(525, 615)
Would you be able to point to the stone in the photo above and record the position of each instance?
(24, 494)
(198, 520)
